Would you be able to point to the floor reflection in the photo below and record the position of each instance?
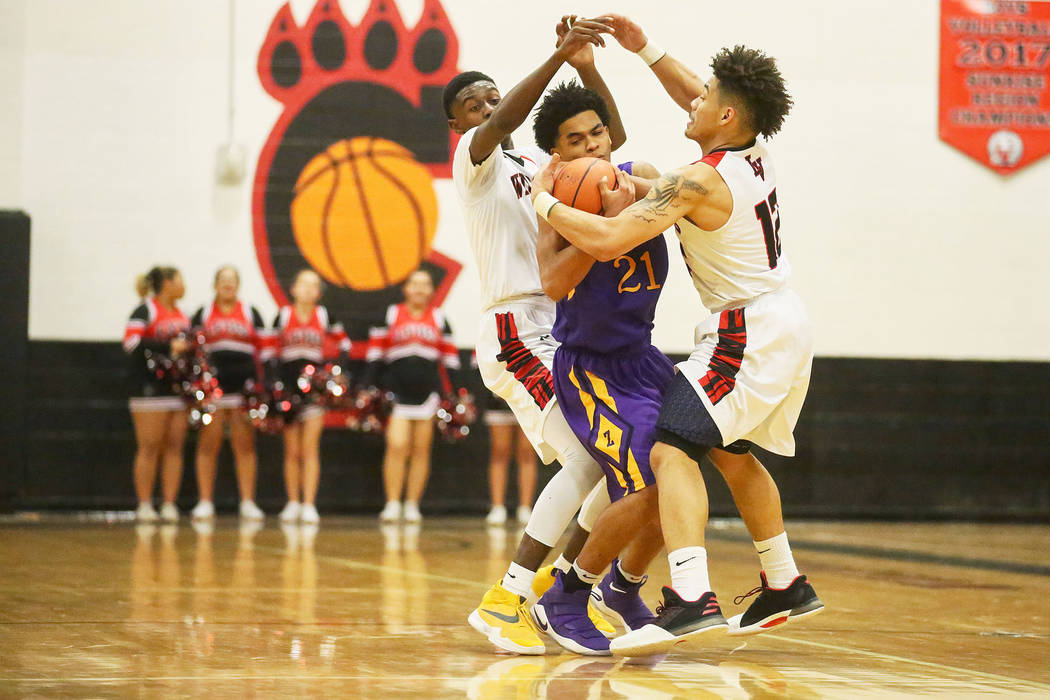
(356, 609)
(571, 677)
(405, 588)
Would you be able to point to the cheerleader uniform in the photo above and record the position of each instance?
(294, 344)
(413, 355)
(151, 327)
(233, 343)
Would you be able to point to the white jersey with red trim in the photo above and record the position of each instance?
(501, 223)
(743, 259)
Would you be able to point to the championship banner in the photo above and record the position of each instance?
(995, 66)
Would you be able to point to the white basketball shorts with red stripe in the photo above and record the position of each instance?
(751, 369)
(515, 355)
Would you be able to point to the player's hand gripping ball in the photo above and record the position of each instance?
(576, 183)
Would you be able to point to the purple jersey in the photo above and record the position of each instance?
(612, 309)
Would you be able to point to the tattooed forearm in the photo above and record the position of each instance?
(670, 190)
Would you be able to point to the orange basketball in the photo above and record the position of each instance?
(576, 183)
(364, 213)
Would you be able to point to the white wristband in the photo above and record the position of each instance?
(651, 53)
(543, 204)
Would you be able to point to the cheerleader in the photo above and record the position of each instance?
(157, 326)
(301, 333)
(505, 437)
(413, 352)
(233, 335)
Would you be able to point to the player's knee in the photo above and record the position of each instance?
(733, 467)
(244, 447)
(659, 456)
(292, 454)
(150, 449)
(397, 448)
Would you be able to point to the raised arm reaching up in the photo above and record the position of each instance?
(511, 111)
(583, 62)
(682, 84)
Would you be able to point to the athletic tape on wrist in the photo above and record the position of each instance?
(543, 204)
(651, 53)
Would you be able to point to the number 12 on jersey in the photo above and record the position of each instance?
(765, 211)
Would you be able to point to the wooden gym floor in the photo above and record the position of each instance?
(111, 609)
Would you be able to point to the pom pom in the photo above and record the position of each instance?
(456, 414)
(370, 410)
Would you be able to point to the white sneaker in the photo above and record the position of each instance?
(412, 514)
(204, 510)
(146, 514)
(250, 511)
(309, 514)
(169, 513)
(291, 512)
(496, 516)
(391, 512)
(524, 513)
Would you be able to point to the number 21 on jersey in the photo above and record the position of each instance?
(768, 214)
(623, 286)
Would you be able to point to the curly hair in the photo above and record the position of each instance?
(752, 79)
(563, 102)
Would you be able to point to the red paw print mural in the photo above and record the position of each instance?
(344, 184)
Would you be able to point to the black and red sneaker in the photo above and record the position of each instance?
(676, 621)
(775, 607)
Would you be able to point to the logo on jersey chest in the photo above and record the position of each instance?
(756, 165)
(167, 329)
(414, 331)
(522, 184)
(303, 336)
(226, 328)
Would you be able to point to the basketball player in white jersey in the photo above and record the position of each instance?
(747, 378)
(515, 350)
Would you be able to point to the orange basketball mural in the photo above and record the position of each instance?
(344, 183)
(364, 213)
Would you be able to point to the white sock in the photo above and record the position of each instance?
(562, 564)
(689, 577)
(631, 578)
(777, 562)
(518, 580)
(584, 575)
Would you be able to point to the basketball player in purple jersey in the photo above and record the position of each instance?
(608, 378)
(746, 380)
(515, 349)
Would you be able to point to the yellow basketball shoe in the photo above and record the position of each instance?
(545, 579)
(503, 619)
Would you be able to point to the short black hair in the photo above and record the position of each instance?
(563, 102)
(458, 83)
(753, 79)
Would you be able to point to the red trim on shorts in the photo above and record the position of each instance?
(526, 367)
(727, 356)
